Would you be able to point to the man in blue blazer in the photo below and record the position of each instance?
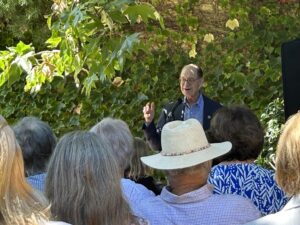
(193, 105)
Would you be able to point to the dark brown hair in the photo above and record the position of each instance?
(241, 127)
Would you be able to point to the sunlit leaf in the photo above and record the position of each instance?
(144, 11)
(89, 83)
(14, 73)
(53, 42)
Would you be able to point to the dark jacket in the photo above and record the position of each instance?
(175, 111)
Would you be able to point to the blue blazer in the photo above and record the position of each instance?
(175, 111)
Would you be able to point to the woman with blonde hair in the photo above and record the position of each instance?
(20, 204)
(83, 183)
(287, 174)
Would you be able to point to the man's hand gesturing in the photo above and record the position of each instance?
(149, 110)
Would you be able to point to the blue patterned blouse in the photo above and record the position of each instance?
(251, 181)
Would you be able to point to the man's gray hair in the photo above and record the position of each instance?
(205, 166)
(116, 133)
(192, 68)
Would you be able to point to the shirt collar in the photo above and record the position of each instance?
(193, 196)
(199, 100)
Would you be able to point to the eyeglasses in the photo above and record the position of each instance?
(189, 80)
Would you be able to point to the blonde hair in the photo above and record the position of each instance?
(19, 203)
(137, 168)
(288, 156)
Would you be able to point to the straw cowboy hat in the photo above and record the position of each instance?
(184, 144)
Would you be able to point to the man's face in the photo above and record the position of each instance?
(190, 84)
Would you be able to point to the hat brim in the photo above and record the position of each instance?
(158, 161)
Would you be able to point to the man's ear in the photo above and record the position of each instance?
(201, 82)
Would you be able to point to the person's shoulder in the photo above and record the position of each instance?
(241, 207)
(129, 187)
(170, 104)
(290, 217)
(234, 200)
(208, 100)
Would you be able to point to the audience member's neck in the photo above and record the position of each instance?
(181, 184)
(238, 161)
(192, 100)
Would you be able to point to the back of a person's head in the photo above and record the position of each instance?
(241, 127)
(288, 156)
(19, 203)
(83, 182)
(117, 135)
(37, 142)
(137, 168)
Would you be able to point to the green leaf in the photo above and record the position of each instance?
(118, 16)
(53, 42)
(128, 44)
(118, 4)
(4, 77)
(49, 20)
(77, 15)
(143, 11)
(14, 73)
(106, 20)
(89, 83)
(21, 48)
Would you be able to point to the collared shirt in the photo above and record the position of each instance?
(37, 181)
(194, 208)
(250, 181)
(195, 110)
(133, 192)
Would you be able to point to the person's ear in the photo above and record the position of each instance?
(201, 82)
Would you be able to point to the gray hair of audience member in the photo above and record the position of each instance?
(202, 168)
(83, 182)
(117, 134)
(137, 168)
(288, 156)
(37, 142)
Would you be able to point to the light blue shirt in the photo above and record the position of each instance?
(194, 208)
(37, 181)
(194, 111)
(133, 192)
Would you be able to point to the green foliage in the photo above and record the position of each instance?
(92, 50)
(108, 58)
(24, 20)
(273, 119)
